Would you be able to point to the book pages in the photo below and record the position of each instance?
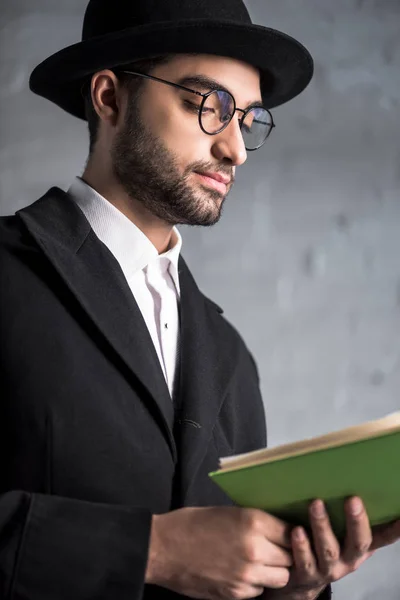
(387, 425)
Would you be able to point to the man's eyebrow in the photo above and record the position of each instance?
(208, 84)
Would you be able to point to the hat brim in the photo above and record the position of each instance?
(286, 66)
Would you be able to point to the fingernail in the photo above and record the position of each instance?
(318, 509)
(299, 534)
(356, 507)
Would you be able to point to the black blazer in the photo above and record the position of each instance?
(91, 443)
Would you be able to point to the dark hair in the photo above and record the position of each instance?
(132, 84)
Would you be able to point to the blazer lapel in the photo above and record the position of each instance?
(96, 280)
(206, 369)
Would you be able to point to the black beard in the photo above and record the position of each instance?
(149, 173)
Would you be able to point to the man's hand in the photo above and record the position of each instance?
(312, 572)
(219, 552)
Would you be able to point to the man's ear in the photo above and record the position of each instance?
(106, 93)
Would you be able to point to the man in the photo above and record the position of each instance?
(121, 383)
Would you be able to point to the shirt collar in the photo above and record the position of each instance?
(130, 246)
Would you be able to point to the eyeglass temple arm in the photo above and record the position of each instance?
(176, 85)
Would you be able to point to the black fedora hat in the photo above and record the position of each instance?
(116, 33)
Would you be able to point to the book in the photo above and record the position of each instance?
(363, 460)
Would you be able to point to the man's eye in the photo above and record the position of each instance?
(193, 107)
(196, 108)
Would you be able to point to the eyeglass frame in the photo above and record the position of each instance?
(205, 96)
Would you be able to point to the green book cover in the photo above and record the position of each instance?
(359, 461)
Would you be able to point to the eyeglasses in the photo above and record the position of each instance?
(216, 111)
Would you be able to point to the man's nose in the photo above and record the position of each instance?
(229, 144)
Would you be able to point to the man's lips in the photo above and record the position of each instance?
(217, 181)
(217, 176)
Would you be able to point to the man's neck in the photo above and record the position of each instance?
(157, 231)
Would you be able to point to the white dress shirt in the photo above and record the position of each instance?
(153, 278)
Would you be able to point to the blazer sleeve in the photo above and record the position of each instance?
(53, 547)
(326, 594)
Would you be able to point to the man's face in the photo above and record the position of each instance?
(160, 154)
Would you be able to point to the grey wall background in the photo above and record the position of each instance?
(305, 261)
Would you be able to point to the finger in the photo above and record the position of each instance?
(326, 545)
(303, 557)
(259, 550)
(243, 592)
(274, 529)
(239, 591)
(358, 532)
(275, 556)
(385, 535)
(269, 577)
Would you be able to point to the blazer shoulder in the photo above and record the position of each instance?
(231, 331)
(12, 232)
(213, 305)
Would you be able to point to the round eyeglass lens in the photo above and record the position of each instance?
(256, 127)
(217, 112)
